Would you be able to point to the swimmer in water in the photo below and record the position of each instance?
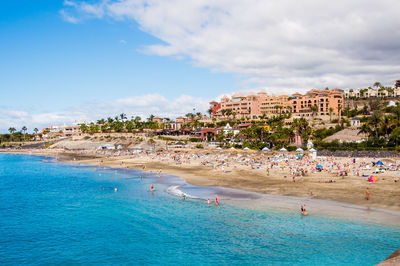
(115, 189)
(303, 210)
(152, 188)
(216, 200)
(183, 196)
(208, 201)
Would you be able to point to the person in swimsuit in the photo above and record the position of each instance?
(367, 193)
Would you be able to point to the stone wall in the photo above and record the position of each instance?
(371, 154)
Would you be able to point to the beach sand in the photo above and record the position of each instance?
(232, 174)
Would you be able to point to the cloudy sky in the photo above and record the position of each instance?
(63, 61)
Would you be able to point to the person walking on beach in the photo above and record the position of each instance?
(367, 193)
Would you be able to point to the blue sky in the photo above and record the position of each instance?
(48, 64)
(68, 60)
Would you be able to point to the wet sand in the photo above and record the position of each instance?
(343, 198)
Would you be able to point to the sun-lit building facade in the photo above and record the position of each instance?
(252, 106)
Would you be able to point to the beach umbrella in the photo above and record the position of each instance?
(300, 150)
(283, 149)
(313, 150)
(319, 166)
(300, 155)
(379, 163)
(219, 148)
(232, 148)
(246, 149)
(265, 149)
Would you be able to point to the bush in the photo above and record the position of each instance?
(291, 148)
(86, 137)
(199, 146)
(194, 139)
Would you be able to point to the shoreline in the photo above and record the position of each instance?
(238, 196)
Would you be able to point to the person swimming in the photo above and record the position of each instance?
(152, 188)
(303, 210)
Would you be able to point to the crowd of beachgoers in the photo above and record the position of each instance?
(286, 173)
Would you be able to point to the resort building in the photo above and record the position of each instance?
(64, 131)
(214, 107)
(326, 102)
(272, 105)
(373, 93)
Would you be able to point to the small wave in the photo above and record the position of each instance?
(174, 190)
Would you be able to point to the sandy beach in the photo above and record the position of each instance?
(274, 174)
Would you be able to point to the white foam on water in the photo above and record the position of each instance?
(174, 190)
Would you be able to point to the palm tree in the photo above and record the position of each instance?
(101, 121)
(314, 110)
(150, 118)
(377, 85)
(123, 117)
(330, 114)
(375, 121)
(36, 130)
(365, 129)
(12, 130)
(24, 130)
(210, 111)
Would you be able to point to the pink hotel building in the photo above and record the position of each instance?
(252, 106)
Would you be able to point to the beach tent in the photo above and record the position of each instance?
(232, 148)
(265, 149)
(319, 166)
(373, 179)
(379, 163)
(246, 149)
(219, 148)
(283, 149)
(313, 150)
(300, 150)
(300, 155)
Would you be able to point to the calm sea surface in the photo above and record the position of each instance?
(52, 213)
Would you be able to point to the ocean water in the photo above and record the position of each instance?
(53, 213)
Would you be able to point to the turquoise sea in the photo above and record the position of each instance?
(58, 214)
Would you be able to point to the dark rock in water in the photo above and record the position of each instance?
(393, 259)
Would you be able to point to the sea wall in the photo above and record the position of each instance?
(381, 154)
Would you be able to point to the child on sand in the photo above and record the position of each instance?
(367, 193)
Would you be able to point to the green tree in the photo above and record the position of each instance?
(123, 117)
(84, 128)
(330, 114)
(24, 129)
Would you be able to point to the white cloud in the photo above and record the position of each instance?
(67, 17)
(124, 42)
(273, 44)
(143, 106)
